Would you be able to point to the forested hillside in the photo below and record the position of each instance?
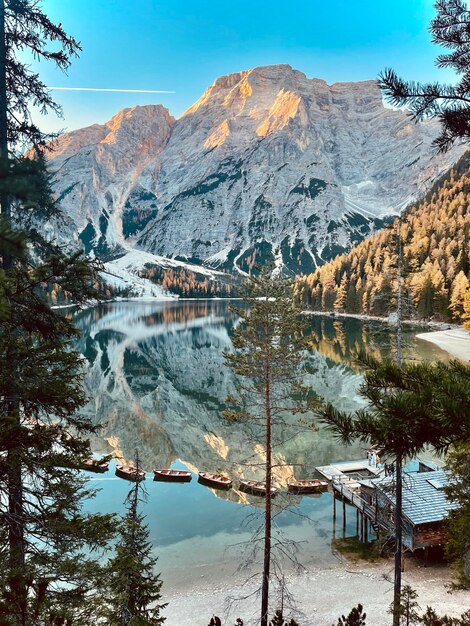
(435, 235)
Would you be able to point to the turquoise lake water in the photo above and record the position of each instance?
(157, 383)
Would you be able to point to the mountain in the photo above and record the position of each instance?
(267, 164)
(435, 238)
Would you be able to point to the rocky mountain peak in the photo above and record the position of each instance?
(131, 123)
(267, 165)
(151, 118)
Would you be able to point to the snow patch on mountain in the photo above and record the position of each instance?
(125, 273)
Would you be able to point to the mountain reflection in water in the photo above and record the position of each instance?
(156, 380)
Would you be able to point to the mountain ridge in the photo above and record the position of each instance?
(268, 165)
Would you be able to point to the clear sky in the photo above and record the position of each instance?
(184, 45)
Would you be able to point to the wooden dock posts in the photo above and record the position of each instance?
(362, 520)
(344, 477)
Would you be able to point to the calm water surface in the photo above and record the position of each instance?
(157, 383)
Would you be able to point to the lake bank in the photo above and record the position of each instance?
(388, 321)
(322, 594)
(455, 341)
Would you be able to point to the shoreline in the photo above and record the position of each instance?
(321, 594)
(385, 320)
(454, 341)
(451, 338)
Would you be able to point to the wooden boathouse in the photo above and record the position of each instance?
(346, 478)
(425, 508)
(372, 494)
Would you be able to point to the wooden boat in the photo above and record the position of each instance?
(130, 473)
(95, 465)
(169, 475)
(215, 480)
(256, 487)
(307, 486)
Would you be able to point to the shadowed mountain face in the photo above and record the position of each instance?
(157, 382)
(266, 165)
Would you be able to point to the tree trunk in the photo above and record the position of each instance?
(398, 542)
(16, 537)
(3, 87)
(267, 513)
(399, 294)
(5, 207)
(399, 460)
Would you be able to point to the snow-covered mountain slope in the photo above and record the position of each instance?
(267, 164)
(125, 273)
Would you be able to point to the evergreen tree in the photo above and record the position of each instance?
(278, 620)
(408, 607)
(430, 618)
(48, 572)
(409, 407)
(133, 589)
(24, 26)
(458, 544)
(45, 570)
(355, 618)
(449, 103)
(268, 354)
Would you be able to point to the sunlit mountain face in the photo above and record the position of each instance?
(268, 165)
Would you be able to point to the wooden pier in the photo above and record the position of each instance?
(346, 468)
(344, 477)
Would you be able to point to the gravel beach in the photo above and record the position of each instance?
(321, 595)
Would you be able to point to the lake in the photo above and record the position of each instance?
(156, 380)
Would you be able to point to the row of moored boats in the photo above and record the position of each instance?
(217, 481)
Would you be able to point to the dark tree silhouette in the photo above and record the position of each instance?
(133, 589)
(449, 103)
(24, 26)
(355, 618)
(47, 567)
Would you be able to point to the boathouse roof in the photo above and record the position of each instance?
(424, 498)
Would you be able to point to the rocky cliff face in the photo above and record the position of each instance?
(98, 172)
(266, 165)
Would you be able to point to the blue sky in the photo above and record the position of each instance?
(183, 45)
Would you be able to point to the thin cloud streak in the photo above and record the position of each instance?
(113, 90)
